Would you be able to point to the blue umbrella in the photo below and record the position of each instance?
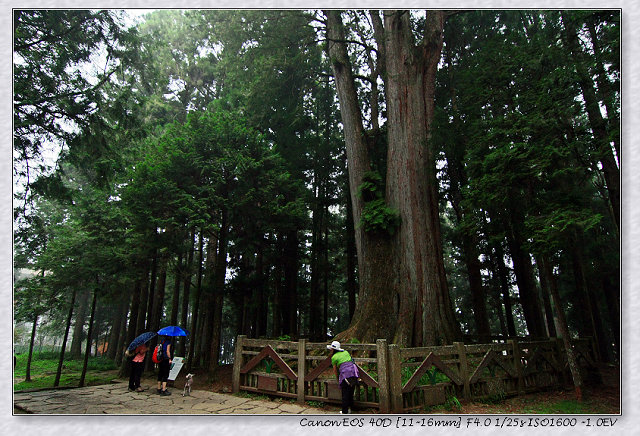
(173, 330)
(143, 338)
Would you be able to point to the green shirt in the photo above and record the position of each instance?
(340, 357)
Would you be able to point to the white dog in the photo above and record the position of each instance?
(187, 385)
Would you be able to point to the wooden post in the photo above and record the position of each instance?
(383, 375)
(517, 363)
(395, 379)
(464, 368)
(237, 363)
(302, 355)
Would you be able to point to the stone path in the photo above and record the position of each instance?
(116, 399)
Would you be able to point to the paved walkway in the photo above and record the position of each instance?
(116, 399)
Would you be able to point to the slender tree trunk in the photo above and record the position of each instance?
(194, 316)
(289, 303)
(548, 312)
(563, 329)
(218, 291)
(151, 298)
(503, 276)
(314, 292)
(175, 301)
(277, 296)
(186, 294)
(121, 343)
(141, 316)
(158, 304)
(78, 328)
(31, 343)
(89, 333)
(56, 382)
(325, 269)
(116, 325)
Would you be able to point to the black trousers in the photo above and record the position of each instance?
(347, 393)
(136, 373)
(163, 370)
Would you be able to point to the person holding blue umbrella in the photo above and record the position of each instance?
(164, 366)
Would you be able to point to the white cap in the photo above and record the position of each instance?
(335, 345)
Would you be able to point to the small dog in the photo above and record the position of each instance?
(187, 385)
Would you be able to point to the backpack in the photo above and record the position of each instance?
(158, 354)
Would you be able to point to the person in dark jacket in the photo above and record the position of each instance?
(346, 373)
(164, 366)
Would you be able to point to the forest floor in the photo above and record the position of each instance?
(602, 398)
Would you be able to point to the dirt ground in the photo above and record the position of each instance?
(603, 398)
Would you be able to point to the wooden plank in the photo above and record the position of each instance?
(301, 369)
(464, 369)
(383, 377)
(268, 351)
(366, 378)
(261, 343)
(267, 383)
(424, 351)
(395, 379)
(237, 364)
(322, 367)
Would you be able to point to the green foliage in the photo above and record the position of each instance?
(376, 215)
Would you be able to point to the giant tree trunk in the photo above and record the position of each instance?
(403, 290)
(376, 312)
(426, 315)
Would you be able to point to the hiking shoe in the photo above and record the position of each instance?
(130, 389)
(139, 389)
(165, 393)
(159, 391)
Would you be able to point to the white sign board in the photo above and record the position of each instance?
(176, 366)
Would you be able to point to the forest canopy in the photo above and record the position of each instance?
(417, 176)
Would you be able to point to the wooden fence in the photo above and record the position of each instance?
(395, 379)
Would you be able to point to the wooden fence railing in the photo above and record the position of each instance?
(395, 379)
